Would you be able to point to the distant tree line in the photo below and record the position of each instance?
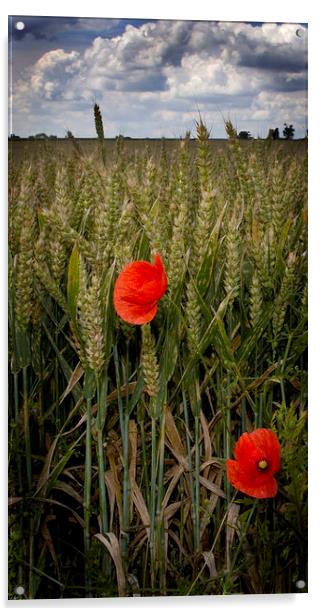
(38, 136)
(274, 133)
(44, 136)
(288, 132)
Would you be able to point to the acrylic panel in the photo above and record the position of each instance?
(157, 307)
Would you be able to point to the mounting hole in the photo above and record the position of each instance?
(19, 590)
(300, 584)
(19, 25)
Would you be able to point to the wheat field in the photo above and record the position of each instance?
(119, 434)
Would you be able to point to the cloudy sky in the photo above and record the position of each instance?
(152, 78)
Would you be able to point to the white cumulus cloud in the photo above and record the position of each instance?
(163, 71)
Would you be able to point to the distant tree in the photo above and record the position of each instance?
(74, 143)
(288, 131)
(244, 134)
(14, 137)
(31, 138)
(52, 137)
(41, 136)
(273, 133)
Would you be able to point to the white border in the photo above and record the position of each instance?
(247, 10)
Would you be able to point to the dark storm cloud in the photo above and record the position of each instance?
(78, 28)
(141, 81)
(177, 45)
(219, 102)
(278, 60)
(39, 28)
(282, 84)
(256, 49)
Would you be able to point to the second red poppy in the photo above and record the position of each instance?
(257, 459)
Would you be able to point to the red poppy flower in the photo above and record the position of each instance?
(257, 459)
(138, 289)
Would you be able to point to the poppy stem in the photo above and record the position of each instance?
(228, 431)
(196, 405)
(126, 486)
(100, 421)
(284, 360)
(145, 467)
(123, 420)
(26, 425)
(189, 458)
(197, 483)
(17, 435)
(213, 544)
(87, 497)
(153, 498)
(159, 512)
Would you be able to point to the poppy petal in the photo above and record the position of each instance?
(138, 288)
(245, 474)
(159, 266)
(134, 314)
(137, 283)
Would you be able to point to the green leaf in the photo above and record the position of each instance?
(90, 384)
(109, 311)
(250, 340)
(60, 466)
(205, 272)
(65, 367)
(73, 283)
(102, 383)
(22, 357)
(170, 345)
(211, 331)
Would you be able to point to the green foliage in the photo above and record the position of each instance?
(144, 417)
(291, 428)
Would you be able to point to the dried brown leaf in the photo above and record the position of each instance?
(174, 440)
(75, 377)
(212, 462)
(13, 500)
(171, 510)
(132, 434)
(176, 472)
(211, 504)
(53, 501)
(111, 543)
(44, 475)
(116, 481)
(68, 489)
(231, 524)
(110, 484)
(46, 535)
(140, 505)
(206, 439)
(210, 563)
(212, 487)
